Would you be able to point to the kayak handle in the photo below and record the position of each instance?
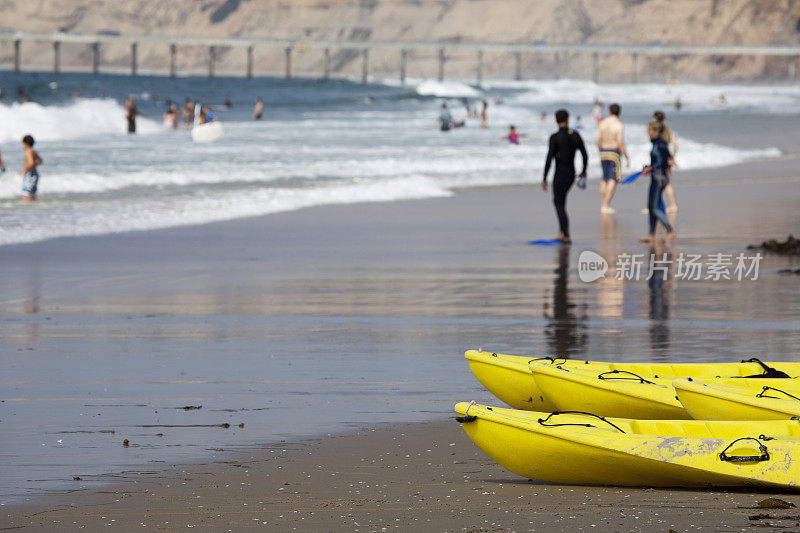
(555, 413)
(769, 372)
(745, 458)
(467, 417)
(551, 359)
(765, 389)
(633, 376)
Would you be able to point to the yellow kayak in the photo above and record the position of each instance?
(509, 378)
(758, 400)
(609, 393)
(623, 393)
(587, 449)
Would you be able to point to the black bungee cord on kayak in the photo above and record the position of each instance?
(551, 359)
(555, 413)
(633, 376)
(765, 389)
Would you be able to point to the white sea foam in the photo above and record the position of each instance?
(449, 89)
(95, 216)
(693, 97)
(81, 118)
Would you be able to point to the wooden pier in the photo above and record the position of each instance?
(711, 54)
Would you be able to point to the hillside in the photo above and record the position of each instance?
(553, 21)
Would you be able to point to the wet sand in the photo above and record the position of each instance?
(333, 319)
(410, 477)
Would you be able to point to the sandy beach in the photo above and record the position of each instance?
(409, 477)
(351, 321)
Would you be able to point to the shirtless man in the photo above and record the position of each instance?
(611, 143)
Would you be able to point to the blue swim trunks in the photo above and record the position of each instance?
(30, 183)
(609, 160)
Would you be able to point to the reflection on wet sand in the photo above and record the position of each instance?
(565, 331)
(610, 290)
(660, 284)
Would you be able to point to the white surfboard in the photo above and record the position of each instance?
(208, 133)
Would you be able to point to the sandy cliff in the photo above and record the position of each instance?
(554, 21)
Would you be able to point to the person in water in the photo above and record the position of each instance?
(2, 166)
(445, 119)
(187, 113)
(611, 143)
(30, 172)
(206, 115)
(484, 115)
(660, 161)
(258, 109)
(563, 145)
(513, 136)
(597, 111)
(672, 143)
(130, 114)
(171, 116)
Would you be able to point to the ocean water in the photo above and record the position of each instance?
(321, 143)
(345, 328)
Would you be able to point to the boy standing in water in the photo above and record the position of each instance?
(130, 114)
(660, 161)
(30, 175)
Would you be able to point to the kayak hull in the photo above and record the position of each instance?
(570, 453)
(711, 401)
(572, 390)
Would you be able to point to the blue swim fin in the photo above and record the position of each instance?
(546, 242)
(632, 178)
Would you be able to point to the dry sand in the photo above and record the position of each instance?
(412, 477)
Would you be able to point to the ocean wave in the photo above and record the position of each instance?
(98, 216)
(693, 97)
(448, 89)
(83, 117)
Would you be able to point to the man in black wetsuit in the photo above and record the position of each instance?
(563, 145)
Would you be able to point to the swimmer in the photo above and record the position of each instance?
(171, 116)
(187, 113)
(484, 119)
(611, 143)
(513, 137)
(597, 111)
(445, 119)
(30, 172)
(130, 114)
(258, 109)
(206, 115)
